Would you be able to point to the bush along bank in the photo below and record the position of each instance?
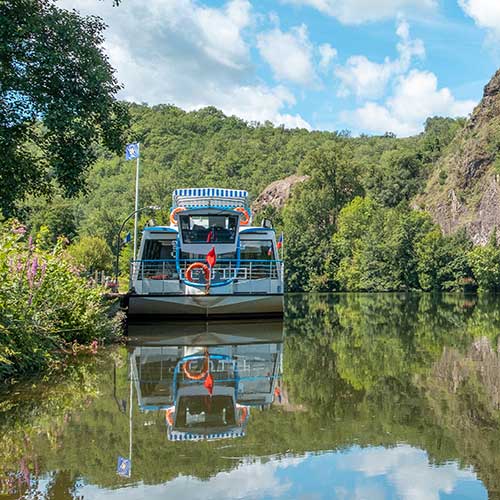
(47, 310)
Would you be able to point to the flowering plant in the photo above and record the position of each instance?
(45, 305)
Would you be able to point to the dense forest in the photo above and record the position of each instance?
(352, 226)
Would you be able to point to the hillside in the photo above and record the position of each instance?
(344, 203)
(464, 190)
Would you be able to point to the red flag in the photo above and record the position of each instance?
(210, 235)
(280, 241)
(211, 257)
(209, 384)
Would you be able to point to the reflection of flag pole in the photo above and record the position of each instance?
(130, 417)
(136, 200)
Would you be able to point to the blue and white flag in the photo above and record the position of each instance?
(127, 239)
(132, 151)
(123, 467)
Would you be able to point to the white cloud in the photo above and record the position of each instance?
(368, 79)
(415, 98)
(360, 11)
(190, 55)
(327, 54)
(248, 480)
(289, 54)
(486, 13)
(409, 470)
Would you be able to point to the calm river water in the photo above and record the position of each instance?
(352, 396)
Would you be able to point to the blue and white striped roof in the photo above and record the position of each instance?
(211, 192)
(189, 436)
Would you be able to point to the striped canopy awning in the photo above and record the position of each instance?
(188, 436)
(211, 192)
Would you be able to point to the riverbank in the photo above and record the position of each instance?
(48, 311)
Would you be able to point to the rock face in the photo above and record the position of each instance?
(464, 190)
(277, 193)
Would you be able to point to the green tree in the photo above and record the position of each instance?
(376, 246)
(442, 261)
(438, 134)
(485, 264)
(57, 99)
(310, 217)
(397, 178)
(92, 253)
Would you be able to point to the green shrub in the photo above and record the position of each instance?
(92, 253)
(485, 264)
(46, 307)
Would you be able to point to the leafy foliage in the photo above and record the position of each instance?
(57, 99)
(485, 264)
(92, 253)
(45, 305)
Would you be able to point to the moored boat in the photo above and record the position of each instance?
(211, 261)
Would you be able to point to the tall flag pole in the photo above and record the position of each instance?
(133, 151)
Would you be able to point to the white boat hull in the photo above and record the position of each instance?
(205, 306)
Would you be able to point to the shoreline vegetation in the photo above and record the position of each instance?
(49, 311)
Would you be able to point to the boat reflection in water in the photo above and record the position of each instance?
(206, 376)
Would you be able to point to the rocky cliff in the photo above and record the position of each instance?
(464, 189)
(277, 193)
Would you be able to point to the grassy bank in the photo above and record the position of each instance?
(48, 311)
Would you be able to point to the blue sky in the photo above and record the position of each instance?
(369, 66)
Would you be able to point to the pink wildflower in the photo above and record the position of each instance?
(31, 271)
(43, 270)
(93, 347)
(34, 266)
(19, 230)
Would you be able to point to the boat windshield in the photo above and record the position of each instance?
(205, 411)
(208, 228)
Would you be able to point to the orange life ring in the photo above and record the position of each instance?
(173, 213)
(168, 416)
(196, 376)
(197, 265)
(245, 215)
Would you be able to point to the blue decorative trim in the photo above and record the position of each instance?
(164, 229)
(256, 230)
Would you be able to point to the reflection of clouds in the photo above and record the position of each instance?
(408, 469)
(372, 473)
(249, 480)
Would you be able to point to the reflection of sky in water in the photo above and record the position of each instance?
(356, 473)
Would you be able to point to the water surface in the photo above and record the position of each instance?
(351, 396)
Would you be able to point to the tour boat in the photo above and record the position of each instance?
(211, 261)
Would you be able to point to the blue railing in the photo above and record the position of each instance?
(225, 270)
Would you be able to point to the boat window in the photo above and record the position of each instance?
(201, 257)
(159, 250)
(257, 250)
(205, 411)
(208, 228)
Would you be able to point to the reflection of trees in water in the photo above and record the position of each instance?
(424, 369)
